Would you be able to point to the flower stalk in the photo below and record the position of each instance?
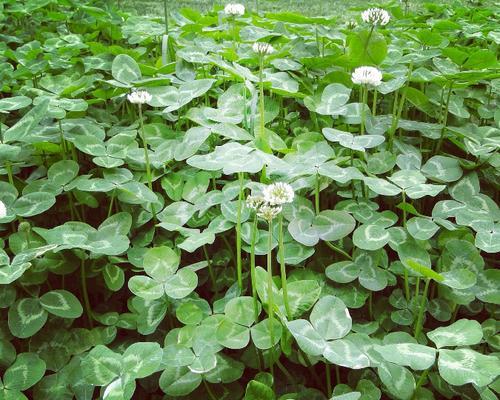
(211, 270)
(281, 254)
(396, 116)
(338, 250)
(270, 299)
(239, 268)
(85, 294)
(233, 10)
(141, 97)
(421, 309)
(262, 49)
(444, 122)
(253, 278)
(262, 109)
(268, 207)
(146, 157)
(316, 194)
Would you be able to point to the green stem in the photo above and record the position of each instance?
(285, 372)
(111, 202)
(338, 250)
(362, 94)
(314, 119)
(146, 156)
(209, 391)
(71, 206)
(63, 141)
(73, 210)
(441, 105)
(394, 123)
(245, 110)
(455, 313)
(229, 249)
(407, 286)
(421, 309)
(328, 380)
(262, 109)
(337, 375)
(445, 119)
(317, 38)
(420, 382)
(270, 300)
(368, 39)
(374, 104)
(353, 191)
(396, 112)
(281, 251)
(85, 294)
(403, 194)
(311, 369)
(74, 155)
(239, 270)
(259, 357)
(370, 305)
(364, 90)
(316, 194)
(235, 40)
(10, 175)
(211, 271)
(252, 269)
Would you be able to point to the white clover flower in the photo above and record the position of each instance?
(278, 193)
(139, 97)
(254, 202)
(367, 76)
(234, 9)
(262, 48)
(376, 16)
(268, 212)
(3, 210)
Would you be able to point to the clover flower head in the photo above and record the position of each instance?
(367, 76)
(268, 212)
(352, 24)
(3, 210)
(139, 97)
(234, 9)
(278, 193)
(254, 202)
(262, 48)
(376, 16)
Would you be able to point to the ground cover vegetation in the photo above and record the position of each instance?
(233, 205)
(307, 7)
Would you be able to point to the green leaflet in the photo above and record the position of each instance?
(22, 129)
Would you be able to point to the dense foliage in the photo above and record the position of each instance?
(135, 264)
